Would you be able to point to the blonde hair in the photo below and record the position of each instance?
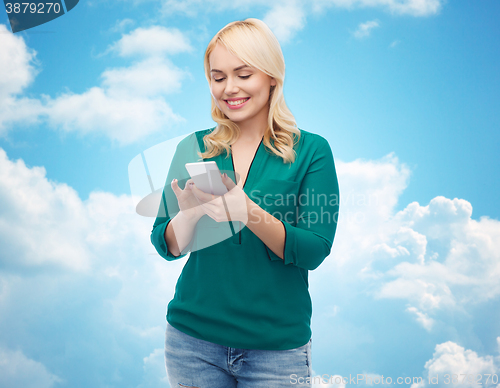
(253, 42)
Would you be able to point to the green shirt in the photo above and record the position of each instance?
(237, 292)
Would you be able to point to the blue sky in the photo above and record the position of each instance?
(406, 92)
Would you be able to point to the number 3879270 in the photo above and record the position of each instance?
(33, 7)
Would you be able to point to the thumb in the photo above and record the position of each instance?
(228, 182)
(175, 187)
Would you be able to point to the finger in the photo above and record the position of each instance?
(228, 182)
(189, 184)
(175, 187)
(201, 195)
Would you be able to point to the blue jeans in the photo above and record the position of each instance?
(192, 362)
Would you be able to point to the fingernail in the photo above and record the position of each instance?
(191, 184)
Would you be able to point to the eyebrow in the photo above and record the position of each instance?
(236, 69)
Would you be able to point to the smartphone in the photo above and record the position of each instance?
(207, 177)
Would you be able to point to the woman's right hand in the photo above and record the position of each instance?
(188, 203)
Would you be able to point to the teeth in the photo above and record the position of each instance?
(237, 102)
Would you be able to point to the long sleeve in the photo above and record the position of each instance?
(310, 241)
(169, 207)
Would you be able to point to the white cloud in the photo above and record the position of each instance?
(19, 69)
(285, 20)
(364, 29)
(422, 318)
(122, 118)
(436, 258)
(369, 193)
(327, 381)
(434, 255)
(150, 77)
(17, 370)
(463, 266)
(155, 375)
(20, 111)
(451, 359)
(141, 109)
(451, 364)
(76, 275)
(192, 8)
(129, 104)
(394, 43)
(409, 7)
(401, 7)
(122, 25)
(152, 41)
(37, 219)
(17, 63)
(45, 224)
(414, 7)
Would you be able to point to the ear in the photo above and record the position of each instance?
(273, 82)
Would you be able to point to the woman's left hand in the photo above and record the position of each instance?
(235, 199)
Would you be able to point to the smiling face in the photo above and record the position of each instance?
(241, 92)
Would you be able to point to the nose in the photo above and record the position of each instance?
(231, 86)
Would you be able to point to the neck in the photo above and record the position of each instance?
(253, 131)
(250, 138)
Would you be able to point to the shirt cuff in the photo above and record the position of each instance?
(158, 240)
(288, 249)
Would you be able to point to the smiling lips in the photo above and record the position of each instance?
(236, 103)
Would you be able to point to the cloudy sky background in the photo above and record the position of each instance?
(405, 91)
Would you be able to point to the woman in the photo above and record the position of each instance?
(240, 316)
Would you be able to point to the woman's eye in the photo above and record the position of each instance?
(241, 76)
